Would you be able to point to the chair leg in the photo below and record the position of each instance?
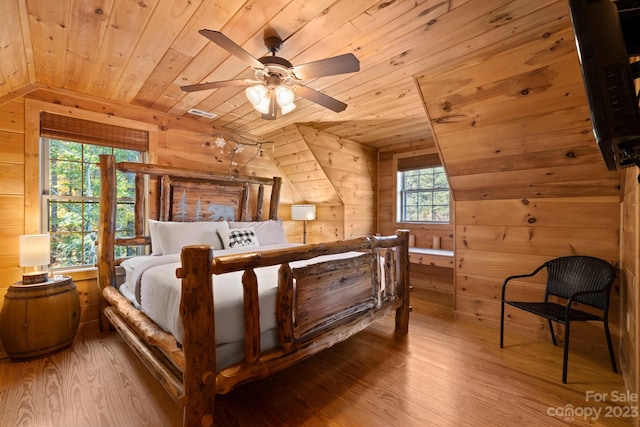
(553, 335)
(565, 358)
(609, 343)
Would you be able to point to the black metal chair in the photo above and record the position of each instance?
(582, 279)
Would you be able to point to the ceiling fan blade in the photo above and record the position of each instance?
(214, 85)
(320, 98)
(230, 46)
(273, 110)
(341, 64)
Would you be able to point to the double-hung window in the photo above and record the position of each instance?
(70, 150)
(423, 190)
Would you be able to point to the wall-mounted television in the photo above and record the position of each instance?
(607, 76)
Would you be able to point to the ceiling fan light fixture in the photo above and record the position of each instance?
(263, 105)
(284, 95)
(256, 94)
(288, 108)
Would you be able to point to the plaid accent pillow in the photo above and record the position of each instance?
(239, 237)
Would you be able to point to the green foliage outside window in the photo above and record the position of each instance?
(71, 196)
(423, 195)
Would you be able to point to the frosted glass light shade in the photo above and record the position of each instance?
(288, 108)
(256, 94)
(284, 96)
(263, 106)
(303, 212)
(35, 250)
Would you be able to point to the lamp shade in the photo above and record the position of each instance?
(303, 212)
(35, 250)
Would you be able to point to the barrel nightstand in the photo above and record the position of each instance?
(38, 319)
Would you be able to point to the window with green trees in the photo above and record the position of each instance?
(71, 196)
(423, 191)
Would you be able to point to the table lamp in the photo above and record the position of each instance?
(303, 213)
(35, 251)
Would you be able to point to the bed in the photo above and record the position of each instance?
(218, 297)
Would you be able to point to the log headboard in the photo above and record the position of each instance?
(177, 195)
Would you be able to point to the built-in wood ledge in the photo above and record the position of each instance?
(428, 256)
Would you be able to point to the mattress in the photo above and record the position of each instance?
(152, 286)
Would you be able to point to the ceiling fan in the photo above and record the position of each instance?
(276, 79)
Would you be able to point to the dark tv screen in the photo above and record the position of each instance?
(608, 81)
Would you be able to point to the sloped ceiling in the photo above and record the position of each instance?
(496, 80)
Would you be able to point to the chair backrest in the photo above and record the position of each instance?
(571, 274)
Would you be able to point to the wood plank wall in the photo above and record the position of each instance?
(351, 169)
(188, 144)
(310, 184)
(335, 174)
(178, 144)
(629, 265)
(11, 190)
(512, 125)
(499, 238)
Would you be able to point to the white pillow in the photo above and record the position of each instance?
(173, 236)
(239, 237)
(269, 232)
(154, 233)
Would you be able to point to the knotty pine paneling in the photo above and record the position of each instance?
(11, 191)
(629, 272)
(506, 120)
(11, 147)
(499, 238)
(179, 143)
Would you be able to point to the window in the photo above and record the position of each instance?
(423, 190)
(71, 195)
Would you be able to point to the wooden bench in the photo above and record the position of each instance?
(435, 257)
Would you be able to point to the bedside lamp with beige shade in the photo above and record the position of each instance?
(303, 213)
(35, 251)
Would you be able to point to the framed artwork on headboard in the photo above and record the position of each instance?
(194, 201)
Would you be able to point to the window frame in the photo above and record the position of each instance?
(397, 206)
(47, 197)
(32, 163)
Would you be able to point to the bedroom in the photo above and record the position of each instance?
(503, 103)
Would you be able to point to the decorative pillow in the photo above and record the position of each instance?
(269, 232)
(240, 237)
(173, 236)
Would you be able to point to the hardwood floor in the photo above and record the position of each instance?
(444, 373)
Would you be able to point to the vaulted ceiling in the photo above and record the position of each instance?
(496, 83)
(141, 52)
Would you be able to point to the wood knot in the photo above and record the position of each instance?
(386, 4)
(525, 201)
(531, 220)
(571, 155)
(208, 378)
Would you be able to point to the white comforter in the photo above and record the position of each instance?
(152, 282)
(152, 285)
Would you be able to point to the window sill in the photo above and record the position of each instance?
(434, 257)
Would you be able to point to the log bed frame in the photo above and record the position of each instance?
(317, 306)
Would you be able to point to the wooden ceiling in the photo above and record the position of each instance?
(141, 52)
(497, 81)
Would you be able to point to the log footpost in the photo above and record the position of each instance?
(402, 313)
(196, 310)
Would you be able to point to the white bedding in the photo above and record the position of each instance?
(151, 284)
